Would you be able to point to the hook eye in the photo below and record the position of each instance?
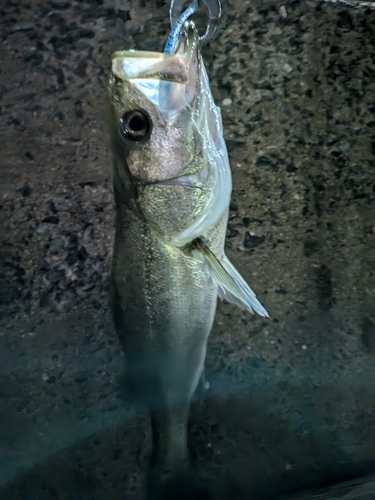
(214, 13)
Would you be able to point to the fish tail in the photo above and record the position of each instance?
(169, 434)
(182, 485)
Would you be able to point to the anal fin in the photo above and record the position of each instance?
(232, 286)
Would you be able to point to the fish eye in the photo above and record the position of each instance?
(135, 126)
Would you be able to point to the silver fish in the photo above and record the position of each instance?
(172, 185)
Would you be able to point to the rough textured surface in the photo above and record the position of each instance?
(292, 399)
(362, 488)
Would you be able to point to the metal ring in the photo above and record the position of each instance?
(214, 13)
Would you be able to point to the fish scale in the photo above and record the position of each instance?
(165, 324)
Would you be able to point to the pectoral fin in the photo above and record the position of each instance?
(232, 287)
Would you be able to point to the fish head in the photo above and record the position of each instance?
(167, 140)
(150, 95)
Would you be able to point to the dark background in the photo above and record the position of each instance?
(292, 398)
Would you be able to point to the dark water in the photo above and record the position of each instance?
(292, 399)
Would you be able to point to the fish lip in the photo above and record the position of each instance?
(189, 180)
(168, 81)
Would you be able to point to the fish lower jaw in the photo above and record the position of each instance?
(189, 180)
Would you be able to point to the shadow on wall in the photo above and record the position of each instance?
(244, 450)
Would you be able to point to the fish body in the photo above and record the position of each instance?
(172, 187)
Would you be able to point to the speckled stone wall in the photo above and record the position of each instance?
(292, 397)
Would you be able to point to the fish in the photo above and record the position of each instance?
(172, 188)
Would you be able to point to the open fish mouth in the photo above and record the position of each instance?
(169, 81)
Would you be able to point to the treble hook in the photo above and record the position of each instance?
(179, 17)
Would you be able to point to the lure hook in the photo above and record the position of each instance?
(179, 17)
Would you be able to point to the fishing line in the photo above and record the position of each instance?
(171, 44)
